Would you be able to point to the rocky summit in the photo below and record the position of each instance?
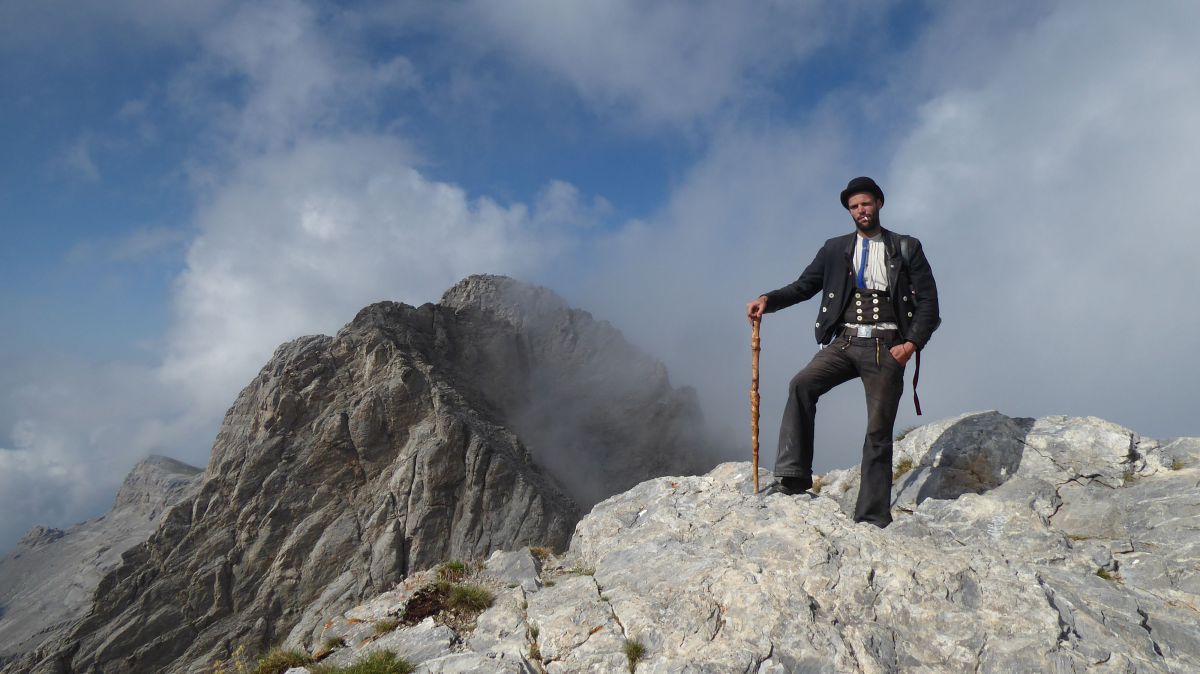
(414, 435)
(1020, 545)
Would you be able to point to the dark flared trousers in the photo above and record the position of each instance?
(883, 380)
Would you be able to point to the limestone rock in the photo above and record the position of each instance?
(517, 568)
(982, 570)
(1019, 545)
(49, 579)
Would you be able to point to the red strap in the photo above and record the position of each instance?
(916, 376)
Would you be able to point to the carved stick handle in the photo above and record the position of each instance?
(755, 347)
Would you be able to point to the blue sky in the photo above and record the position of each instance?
(187, 185)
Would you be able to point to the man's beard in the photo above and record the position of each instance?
(870, 226)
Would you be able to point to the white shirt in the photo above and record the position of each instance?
(876, 277)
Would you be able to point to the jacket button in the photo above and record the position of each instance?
(904, 299)
(824, 309)
(818, 324)
(831, 295)
(910, 314)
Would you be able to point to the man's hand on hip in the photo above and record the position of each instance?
(902, 352)
(755, 309)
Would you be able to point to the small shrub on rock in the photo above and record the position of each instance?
(455, 605)
(541, 553)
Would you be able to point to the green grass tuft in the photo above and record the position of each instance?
(278, 661)
(1107, 575)
(634, 652)
(904, 433)
(541, 553)
(452, 571)
(386, 625)
(469, 598)
(379, 662)
(902, 466)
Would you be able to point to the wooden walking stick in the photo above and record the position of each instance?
(755, 344)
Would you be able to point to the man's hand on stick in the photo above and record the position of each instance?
(755, 309)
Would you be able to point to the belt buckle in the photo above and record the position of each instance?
(865, 331)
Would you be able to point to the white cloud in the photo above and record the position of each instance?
(275, 72)
(78, 159)
(75, 429)
(669, 61)
(1052, 192)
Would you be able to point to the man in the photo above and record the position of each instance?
(878, 307)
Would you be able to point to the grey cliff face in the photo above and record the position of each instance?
(49, 579)
(1020, 545)
(351, 462)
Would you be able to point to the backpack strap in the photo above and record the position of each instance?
(906, 255)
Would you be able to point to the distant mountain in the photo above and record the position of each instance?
(415, 435)
(49, 579)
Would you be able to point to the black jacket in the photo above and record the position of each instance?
(910, 285)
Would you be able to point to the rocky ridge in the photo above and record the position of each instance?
(351, 462)
(49, 579)
(1056, 545)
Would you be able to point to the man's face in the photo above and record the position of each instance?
(864, 208)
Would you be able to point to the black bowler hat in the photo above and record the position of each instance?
(860, 184)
